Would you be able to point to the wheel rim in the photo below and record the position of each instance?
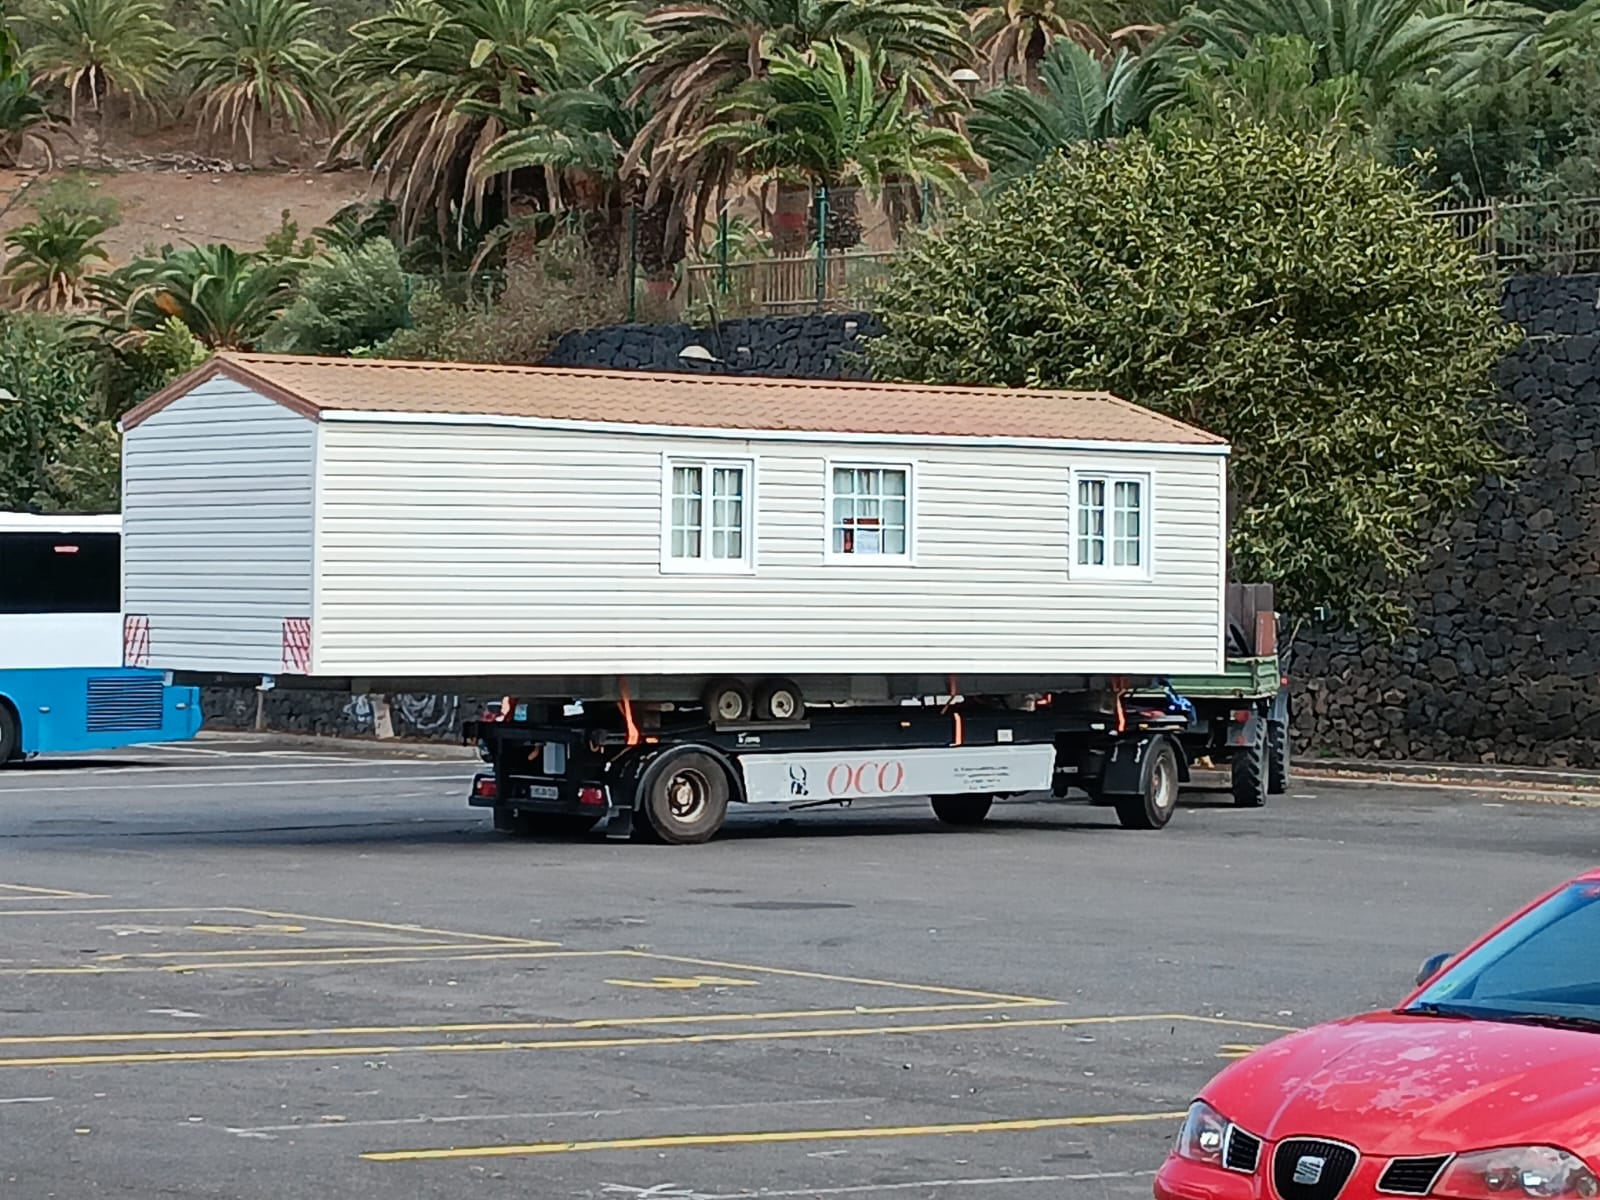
(783, 705)
(1163, 784)
(687, 794)
(730, 706)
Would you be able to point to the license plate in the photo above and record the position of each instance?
(543, 791)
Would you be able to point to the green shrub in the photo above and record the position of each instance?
(347, 298)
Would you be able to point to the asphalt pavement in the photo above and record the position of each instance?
(246, 968)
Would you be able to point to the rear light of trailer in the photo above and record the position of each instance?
(1240, 716)
(592, 797)
(484, 787)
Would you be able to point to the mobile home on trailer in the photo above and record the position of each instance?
(751, 550)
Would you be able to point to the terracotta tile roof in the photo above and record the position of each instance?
(316, 385)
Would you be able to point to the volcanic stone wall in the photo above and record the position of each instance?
(1502, 665)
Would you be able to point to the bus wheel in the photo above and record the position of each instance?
(10, 735)
(962, 810)
(684, 797)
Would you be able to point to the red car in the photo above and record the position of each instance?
(1483, 1085)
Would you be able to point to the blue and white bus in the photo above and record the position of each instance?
(62, 685)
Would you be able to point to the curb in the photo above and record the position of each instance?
(1521, 779)
(386, 747)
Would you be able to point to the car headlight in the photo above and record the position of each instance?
(1203, 1134)
(1513, 1172)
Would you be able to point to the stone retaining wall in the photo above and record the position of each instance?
(1502, 666)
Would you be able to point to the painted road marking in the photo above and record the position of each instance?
(310, 1124)
(683, 983)
(27, 1100)
(495, 939)
(827, 978)
(457, 777)
(39, 893)
(1237, 1050)
(220, 1035)
(611, 1043)
(768, 1137)
(186, 966)
(913, 1185)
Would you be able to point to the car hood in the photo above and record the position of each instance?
(1398, 1085)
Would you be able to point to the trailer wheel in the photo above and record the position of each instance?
(1153, 805)
(684, 797)
(10, 735)
(726, 701)
(1249, 771)
(962, 810)
(779, 700)
(1277, 757)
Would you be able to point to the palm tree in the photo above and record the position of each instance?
(1079, 99)
(228, 298)
(1383, 43)
(50, 258)
(825, 120)
(577, 137)
(1015, 35)
(259, 62)
(429, 86)
(704, 49)
(93, 49)
(25, 119)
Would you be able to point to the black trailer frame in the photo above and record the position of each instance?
(555, 770)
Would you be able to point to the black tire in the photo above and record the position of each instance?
(10, 735)
(727, 702)
(962, 810)
(684, 798)
(533, 824)
(1157, 798)
(1249, 775)
(1277, 757)
(780, 700)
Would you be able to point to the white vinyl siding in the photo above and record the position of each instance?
(460, 549)
(1111, 524)
(708, 510)
(869, 511)
(217, 528)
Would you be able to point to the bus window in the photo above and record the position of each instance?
(60, 573)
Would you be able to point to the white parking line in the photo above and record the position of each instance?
(669, 1191)
(243, 783)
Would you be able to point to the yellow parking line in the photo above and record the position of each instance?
(391, 948)
(218, 1035)
(855, 979)
(185, 965)
(677, 1039)
(496, 938)
(678, 1141)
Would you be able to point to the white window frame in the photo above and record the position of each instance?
(1146, 567)
(829, 554)
(706, 565)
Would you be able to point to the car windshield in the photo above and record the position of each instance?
(1544, 967)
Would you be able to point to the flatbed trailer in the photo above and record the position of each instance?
(671, 776)
(1240, 717)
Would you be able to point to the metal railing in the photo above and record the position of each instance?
(1523, 233)
(825, 281)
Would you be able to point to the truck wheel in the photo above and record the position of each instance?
(10, 735)
(1152, 807)
(779, 700)
(685, 798)
(1277, 757)
(962, 810)
(1250, 771)
(727, 701)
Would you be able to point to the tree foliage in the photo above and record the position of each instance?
(1289, 294)
(56, 450)
(50, 258)
(226, 297)
(347, 298)
(94, 49)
